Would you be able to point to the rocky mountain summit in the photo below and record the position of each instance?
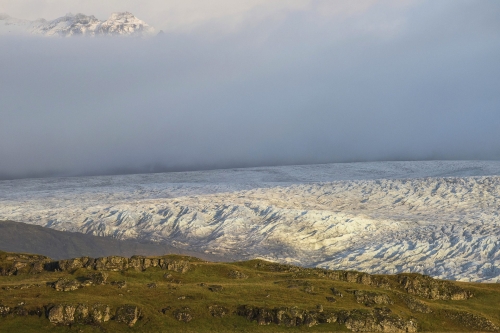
(118, 24)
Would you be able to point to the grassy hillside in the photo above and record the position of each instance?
(186, 294)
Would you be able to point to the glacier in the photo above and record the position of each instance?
(439, 218)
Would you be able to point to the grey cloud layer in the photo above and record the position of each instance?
(303, 89)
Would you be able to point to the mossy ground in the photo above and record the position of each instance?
(263, 288)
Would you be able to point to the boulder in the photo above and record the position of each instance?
(63, 284)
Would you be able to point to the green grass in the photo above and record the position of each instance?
(262, 288)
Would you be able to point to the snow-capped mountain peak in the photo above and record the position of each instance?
(124, 24)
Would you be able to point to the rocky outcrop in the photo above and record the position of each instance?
(284, 316)
(98, 278)
(233, 274)
(415, 284)
(184, 314)
(116, 263)
(17, 264)
(63, 284)
(61, 314)
(370, 298)
(414, 304)
(378, 320)
(471, 321)
(336, 292)
(128, 314)
(68, 314)
(427, 287)
(218, 311)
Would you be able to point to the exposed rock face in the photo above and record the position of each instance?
(67, 314)
(61, 314)
(427, 287)
(380, 320)
(285, 316)
(371, 298)
(128, 314)
(472, 321)
(355, 277)
(115, 263)
(218, 311)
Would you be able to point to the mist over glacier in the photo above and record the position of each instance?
(305, 88)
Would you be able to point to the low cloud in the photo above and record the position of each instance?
(379, 85)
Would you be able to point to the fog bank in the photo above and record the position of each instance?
(408, 83)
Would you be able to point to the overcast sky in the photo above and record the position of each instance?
(247, 83)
